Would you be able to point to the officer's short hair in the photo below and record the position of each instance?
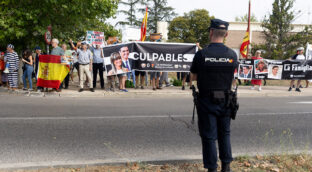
(219, 32)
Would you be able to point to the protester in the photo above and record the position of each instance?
(36, 58)
(155, 76)
(164, 77)
(36, 62)
(116, 67)
(98, 63)
(74, 62)
(1, 66)
(185, 77)
(4, 77)
(67, 59)
(85, 64)
(298, 56)
(58, 51)
(139, 75)
(260, 69)
(28, 68)
(13, 61)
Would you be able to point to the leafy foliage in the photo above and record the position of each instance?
(190, 28)
(280, 41)
(24, 23)
(157, 11)
(130, 13)
(244, 18)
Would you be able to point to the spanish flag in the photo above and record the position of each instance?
(144, 25)
(51, 72)
(244, 46)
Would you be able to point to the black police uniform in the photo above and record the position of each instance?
(214, 66)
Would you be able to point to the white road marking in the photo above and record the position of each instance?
(92, 117)
(300, 102)
(138, 116)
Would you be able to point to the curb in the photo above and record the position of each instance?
(244, 92)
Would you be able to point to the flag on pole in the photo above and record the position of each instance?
(244, 46)
(244, 49)
(144, 25)
(51, 72)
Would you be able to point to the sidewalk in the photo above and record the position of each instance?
(243, 91)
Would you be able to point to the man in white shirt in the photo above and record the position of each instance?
(298, 56)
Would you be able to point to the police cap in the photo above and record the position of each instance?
(218, 24)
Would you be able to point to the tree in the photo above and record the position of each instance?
(24, 23)
(244, 18)
(158, 11)
(131, 13)
(280, 43)
(190, 28)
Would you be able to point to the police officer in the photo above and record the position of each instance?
(213, 68)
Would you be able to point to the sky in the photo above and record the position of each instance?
(229, 9)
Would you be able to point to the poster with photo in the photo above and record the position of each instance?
(118, 62)
(261, 66)
(245, 71)
(275, 71)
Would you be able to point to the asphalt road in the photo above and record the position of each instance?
(38, 131)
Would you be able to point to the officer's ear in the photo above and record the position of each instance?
(226, 34)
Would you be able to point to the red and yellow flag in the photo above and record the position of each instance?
(244, 46)
(51, 72)
(244, 49)
(144, 25)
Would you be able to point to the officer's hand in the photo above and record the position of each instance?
(192, 87)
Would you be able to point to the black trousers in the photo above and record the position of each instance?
(214, 125)
(98, 67)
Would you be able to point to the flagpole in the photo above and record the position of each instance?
(248, 29)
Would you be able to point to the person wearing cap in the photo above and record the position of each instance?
(85, 64)
(13, 61)
(298, 56)
(213, 68)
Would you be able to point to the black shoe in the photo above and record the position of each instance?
(293, 86)
(212, 170)
(298, 90)
(142, 87)
(225, 167)
(103, 88)
(300, 86)
(289, 89)
(66, 88)
(80, 90)
(154, 89)
(92, 89)
(183, 88)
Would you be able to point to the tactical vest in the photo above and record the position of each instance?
(217, 70)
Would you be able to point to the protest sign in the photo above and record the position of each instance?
(95, 38)
(150, 56)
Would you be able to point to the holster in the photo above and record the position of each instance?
(232, 103)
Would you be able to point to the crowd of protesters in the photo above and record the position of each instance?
(89, 63)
